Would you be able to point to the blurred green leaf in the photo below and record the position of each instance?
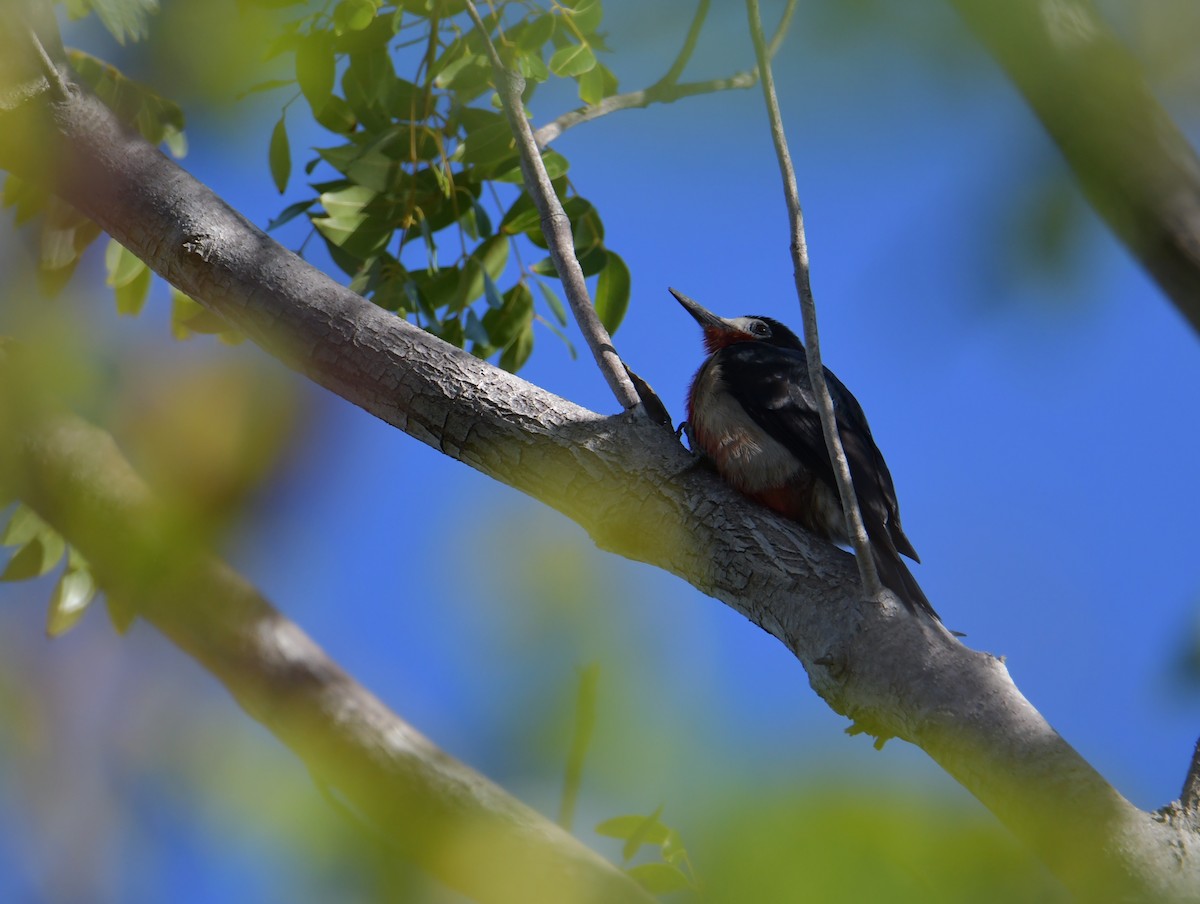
(23, 525)
(586, 15)
(490, 293)
(505, 323)
(315, 68)
(122, 264)
(572, 60)
(474, 330)
(596, 84)
(290, 213)
(35, 558)
(131, 297)
(353, 15)
(280, 156)
(123, 18)
(75, 590)
(515, 356)
(554, 302)
(647, 829)
(659, 878)
(612, 292)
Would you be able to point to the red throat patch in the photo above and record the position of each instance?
(717, 339)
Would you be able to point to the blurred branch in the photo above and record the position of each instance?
(666, 90)
(1131, 160)
(1189, 799)
(629, 484)
(434, 810)
(864, 557)
(555, 224)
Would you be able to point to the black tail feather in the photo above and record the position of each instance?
(897, 578)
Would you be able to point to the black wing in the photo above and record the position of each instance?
(773, 387)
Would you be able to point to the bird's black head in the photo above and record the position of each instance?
(720, 332)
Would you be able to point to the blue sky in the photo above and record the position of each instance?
(1034, 410)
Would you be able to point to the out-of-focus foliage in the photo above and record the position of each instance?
(846, 844)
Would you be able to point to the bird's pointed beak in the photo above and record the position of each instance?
(706, 318)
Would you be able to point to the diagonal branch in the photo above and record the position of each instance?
(556, 225)
(433, 809)
(1132, 162)
(665, 90)
(629, 484)
(812, 345)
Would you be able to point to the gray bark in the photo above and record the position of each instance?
(633, 488)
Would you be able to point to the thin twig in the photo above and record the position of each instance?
(1189, 799)
(53, 76)
(689, 45)
(556, 225)
(833, 440)
(664, 91)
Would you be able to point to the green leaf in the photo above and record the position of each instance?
(659, 878)
(460, 70)
(76, 588)
(533, 67)
(490, 293)
(487, 144)
(122, 264)
(648, 828)
(612, 292)
(572, 60)
(131, 297)
(337, 116)
(515, 356)
(506, 323)
(280, 156)
(125, 18)
(556, 165)
(315, 69)
(596, 84)
(35, 558)
(22, 527)
(489, 259)
(349, 225)
(353, 15)
(586, 14)
(553, 327)
(290, 213)
(268, 85)
(536, 33)
(554, 302)
(474, 330)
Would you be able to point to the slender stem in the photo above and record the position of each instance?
(556, 225)
(689, 45)
(52, 74)
(665, 90)
(1190, 798)
(799, 245)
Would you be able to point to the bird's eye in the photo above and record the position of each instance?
(760, 329)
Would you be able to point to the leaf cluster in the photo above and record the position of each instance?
(424, 213)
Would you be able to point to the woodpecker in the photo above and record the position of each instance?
(753, 414)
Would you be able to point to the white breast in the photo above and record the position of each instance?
(745, 454)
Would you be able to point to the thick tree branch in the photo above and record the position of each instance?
(433, 809)
(632, 488)
(667, 89)
(1132, 162)
(556, 225)
(812, 344)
